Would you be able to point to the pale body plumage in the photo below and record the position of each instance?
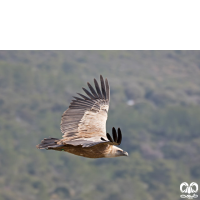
(83, 126)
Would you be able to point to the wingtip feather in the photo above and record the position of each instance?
(109, 137)
(103, 87)
(119, 140)
(97, 88)
(107, 89)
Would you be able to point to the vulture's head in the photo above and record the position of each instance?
(116, 152)
(116, 140)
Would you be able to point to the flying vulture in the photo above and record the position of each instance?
(83, 126)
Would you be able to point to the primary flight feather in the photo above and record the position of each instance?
(83, 126)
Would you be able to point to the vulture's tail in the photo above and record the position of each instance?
(50, 143)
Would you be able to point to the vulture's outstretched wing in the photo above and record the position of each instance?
(84, 122)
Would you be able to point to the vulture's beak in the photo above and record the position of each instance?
(125, 153)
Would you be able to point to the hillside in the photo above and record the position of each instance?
(161, 131)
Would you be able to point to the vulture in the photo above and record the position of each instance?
(83, 126)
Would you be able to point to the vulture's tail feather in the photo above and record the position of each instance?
(49, 143)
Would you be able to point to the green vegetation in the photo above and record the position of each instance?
(161, 131)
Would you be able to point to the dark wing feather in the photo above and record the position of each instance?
(88, 93)
(114, 133)
(93, 91)
(84, 97)
(107, 89)
(103, 139)
(103, 87)
(109, 137)
(84, 122)
(119, 140)
(98, 89)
